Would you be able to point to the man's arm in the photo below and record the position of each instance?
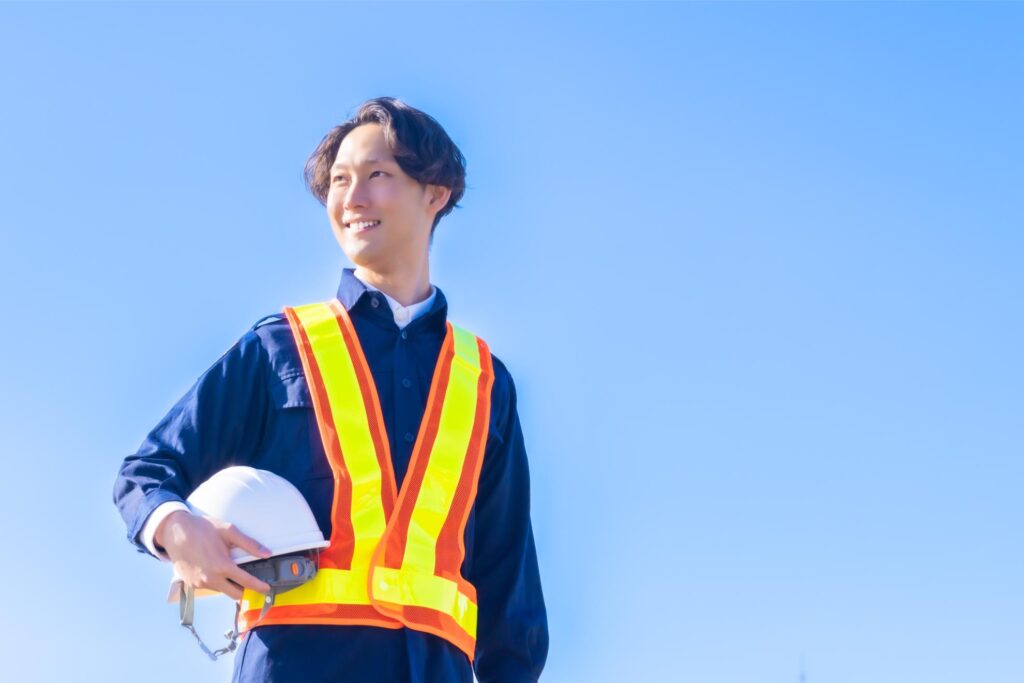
(217, 423)
(149, 529)
(512, 630)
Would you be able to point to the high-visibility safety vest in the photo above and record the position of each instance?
(395, 557)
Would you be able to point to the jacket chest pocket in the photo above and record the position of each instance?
(292, 445)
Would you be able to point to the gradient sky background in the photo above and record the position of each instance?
(753, 267)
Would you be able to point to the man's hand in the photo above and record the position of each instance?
(200, 547)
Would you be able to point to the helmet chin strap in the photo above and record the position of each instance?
(186, 605)
(281, 573)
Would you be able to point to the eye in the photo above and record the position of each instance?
(341, 177)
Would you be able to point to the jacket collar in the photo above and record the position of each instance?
(357, 299)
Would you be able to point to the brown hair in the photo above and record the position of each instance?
(421, 147)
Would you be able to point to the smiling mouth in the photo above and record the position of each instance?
(361, 226)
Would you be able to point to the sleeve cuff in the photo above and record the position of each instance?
(148, 533)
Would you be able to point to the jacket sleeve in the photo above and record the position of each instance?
(217, 423)
(512, 630)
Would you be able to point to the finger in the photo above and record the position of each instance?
(247, 580)
(246, 543)
(228, 588)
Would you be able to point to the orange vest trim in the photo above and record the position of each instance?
(395, 557)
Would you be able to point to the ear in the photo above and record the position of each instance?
(439, 196)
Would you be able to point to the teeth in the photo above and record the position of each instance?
(363, 224)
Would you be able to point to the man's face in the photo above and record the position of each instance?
(367, 184)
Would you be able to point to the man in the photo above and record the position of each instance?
(386, 177)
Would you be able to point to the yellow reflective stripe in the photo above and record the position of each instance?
(409, 587)
(444, 467)
(338, 374)
(329, 586)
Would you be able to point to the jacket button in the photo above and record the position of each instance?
(405, 335)
(374, 301)
(406, 382)
(410, 437)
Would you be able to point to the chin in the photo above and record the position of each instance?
(364, 256)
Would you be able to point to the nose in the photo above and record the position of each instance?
(355, 195)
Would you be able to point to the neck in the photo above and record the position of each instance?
(407, 286)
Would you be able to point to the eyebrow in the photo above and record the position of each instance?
(367, 162)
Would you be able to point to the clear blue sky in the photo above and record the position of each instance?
(756, 270)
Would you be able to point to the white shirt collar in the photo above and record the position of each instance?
(403, 314)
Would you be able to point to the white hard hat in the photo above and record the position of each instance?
(263, 506)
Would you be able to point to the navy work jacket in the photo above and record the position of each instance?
(253, 407)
